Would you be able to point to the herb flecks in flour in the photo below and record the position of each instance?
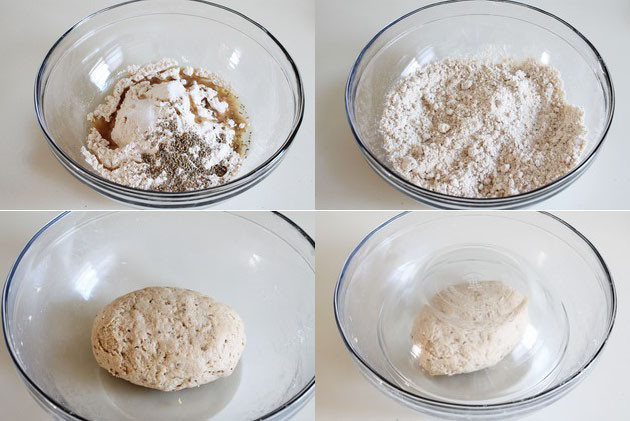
(167, 128)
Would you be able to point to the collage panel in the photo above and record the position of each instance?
(159, 104)
(158, 315)
(471, 104)
(471, 315)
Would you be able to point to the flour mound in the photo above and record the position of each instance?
(474, 128)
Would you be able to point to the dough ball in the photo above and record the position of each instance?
(168, 338)
(469, 327)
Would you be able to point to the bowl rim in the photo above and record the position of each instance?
(294, 403)
(472, 201)
(82, 171)
(435, 403)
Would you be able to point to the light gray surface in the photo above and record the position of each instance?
(17, 229)
(345, 181)
(32, 176)
(344, 394)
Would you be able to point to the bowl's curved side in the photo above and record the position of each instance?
(301, 398)
(157, 200)
(441, 201)
(42, 399)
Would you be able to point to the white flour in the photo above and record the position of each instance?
(473, 128)
(166, 131)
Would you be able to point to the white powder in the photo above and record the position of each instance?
(473, 128)
(152, 108)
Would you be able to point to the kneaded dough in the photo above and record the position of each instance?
(168, 338)
(469, 327)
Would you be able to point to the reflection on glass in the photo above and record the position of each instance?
(103, 68)
(530, 336)
(254, 260)
(545, 58)
(86, 281)
(425, 56)
(99, 74)
(542, 256)
(235, 58)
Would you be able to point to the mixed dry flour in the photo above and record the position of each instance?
(167, 128)
(474, 128)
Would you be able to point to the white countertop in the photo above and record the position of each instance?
(344, 394)
(32, 178)
(17, 228)
(345, 180)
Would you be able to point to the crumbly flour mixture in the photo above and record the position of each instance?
(167, 128)
(474, 128)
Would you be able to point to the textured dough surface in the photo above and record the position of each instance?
(168, 338)
(469, 327)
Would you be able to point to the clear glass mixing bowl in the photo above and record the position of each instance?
(261, 264)
(398, 267)
(82, 66)
(469, 28)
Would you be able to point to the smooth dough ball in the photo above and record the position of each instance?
(168, 338)
(469, 327)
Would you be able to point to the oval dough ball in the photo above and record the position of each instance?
(168, 338)
(469, 327)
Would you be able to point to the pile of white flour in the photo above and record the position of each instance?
(165, 131)
(474, 128)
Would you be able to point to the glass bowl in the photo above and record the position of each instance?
(469, 28)
(261, 264)
(399, 266)
(81, 67)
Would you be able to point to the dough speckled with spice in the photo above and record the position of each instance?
(167, 128)
(168, 338)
